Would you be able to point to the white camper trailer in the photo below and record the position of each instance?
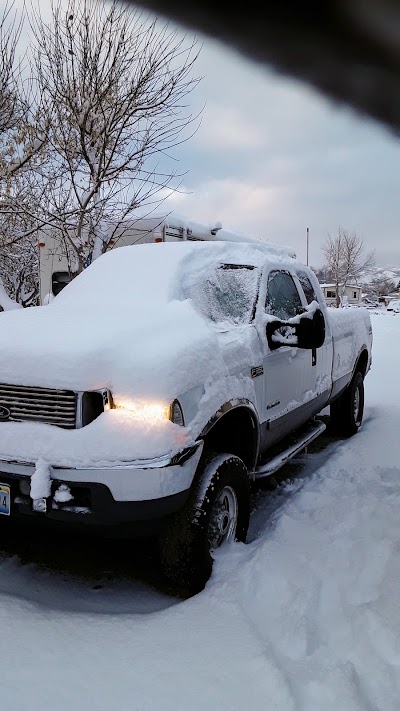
(55, 268)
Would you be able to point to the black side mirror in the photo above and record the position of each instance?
(311, 331)
(277, 334)
(304, 331)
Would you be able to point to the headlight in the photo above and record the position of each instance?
(154, 412)
(150, 412)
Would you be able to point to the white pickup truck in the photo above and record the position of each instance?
(162, 382)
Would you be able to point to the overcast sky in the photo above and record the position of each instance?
(271, 158)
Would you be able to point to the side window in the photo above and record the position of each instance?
(307, 287)
(59, 280)
(283, 299)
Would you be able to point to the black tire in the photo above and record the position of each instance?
(186, 553)
(347, 411)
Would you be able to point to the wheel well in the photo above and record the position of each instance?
(362, 363)
(235, 432)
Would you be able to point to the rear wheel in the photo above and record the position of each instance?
(217, 511)
(347, 411)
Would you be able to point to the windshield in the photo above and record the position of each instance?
(228, 293)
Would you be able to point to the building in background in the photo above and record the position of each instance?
(350, 294)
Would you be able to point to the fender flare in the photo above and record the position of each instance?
(230, 406)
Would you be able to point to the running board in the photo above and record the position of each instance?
(305, 438)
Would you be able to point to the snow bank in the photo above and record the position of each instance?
(320, 585)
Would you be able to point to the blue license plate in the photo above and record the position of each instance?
(4, 500)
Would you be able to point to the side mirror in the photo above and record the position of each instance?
(304, 331)
(311, 331)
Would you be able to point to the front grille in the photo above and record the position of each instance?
(55, 407)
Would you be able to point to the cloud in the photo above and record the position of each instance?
(240, 205)
(227, 127)
(309, 162)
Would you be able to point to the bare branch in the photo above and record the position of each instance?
(345, 259)
(116, 86)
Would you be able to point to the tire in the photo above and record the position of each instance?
(347, 411)
(218, 510)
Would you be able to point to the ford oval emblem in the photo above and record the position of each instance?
(4, 413)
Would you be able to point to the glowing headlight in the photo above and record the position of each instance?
(153, 412)
(148, 411)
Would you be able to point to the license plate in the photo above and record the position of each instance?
(4, 500)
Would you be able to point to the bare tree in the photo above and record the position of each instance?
(346, 259)
(10, 30)
(19, 273)
(115, 86)
(22, 138)
(10, 118)
(380, 285)
(322, 274)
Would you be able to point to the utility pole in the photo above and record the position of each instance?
(308, 235)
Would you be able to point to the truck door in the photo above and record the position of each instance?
(287, 370)
(319, 376)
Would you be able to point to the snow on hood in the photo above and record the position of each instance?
(88, 349)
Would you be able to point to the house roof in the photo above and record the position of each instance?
(333, 286)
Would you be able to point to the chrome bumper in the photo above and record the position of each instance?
(137, 481)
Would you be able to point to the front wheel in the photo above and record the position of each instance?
(217, 511)
(347, 411)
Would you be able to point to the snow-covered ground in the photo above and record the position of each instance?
(306, 617)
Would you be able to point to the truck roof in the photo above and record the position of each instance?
(136, 272)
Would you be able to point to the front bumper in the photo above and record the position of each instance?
(138, 493)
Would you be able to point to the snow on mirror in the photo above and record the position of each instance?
(227, 293)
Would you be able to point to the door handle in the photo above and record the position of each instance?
(314, 356)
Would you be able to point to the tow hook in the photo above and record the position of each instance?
(39, 505)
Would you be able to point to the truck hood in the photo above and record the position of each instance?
(147, 354)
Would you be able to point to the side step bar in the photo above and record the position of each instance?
(305, 438)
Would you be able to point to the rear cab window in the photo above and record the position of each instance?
(307, 287)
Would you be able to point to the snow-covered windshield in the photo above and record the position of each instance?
(228, 293)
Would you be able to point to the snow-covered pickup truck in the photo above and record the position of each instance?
(162, 382)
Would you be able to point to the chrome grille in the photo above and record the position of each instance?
(55, 407)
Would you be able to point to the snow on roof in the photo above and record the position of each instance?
(332, 286)
(137, 273)
(210, 231)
